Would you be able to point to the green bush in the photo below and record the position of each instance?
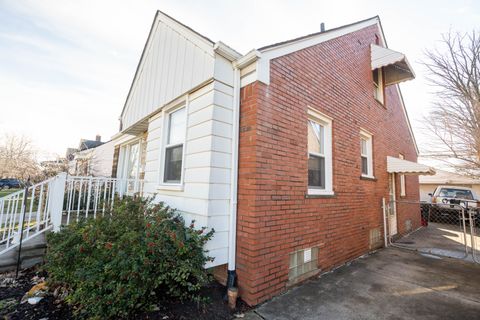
(139, 255)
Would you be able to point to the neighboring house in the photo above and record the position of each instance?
(92, 158)
(54, 166)
(309, 135)
(428, 184)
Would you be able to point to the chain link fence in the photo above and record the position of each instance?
(450, 229)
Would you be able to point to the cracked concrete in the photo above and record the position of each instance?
(389, 284)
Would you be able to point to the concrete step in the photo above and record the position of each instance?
(33, 251)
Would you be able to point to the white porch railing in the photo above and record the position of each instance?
(89, 196)
(51, 203)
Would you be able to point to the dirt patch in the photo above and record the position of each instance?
(12, 290)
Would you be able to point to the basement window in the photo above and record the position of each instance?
(303, 263)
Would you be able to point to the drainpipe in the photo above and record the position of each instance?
(385, 213)
(232, 236)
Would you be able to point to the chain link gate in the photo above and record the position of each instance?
(449, 229)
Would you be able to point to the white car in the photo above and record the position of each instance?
(447, 196)
(447, 201)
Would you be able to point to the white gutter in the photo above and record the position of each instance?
(232, 236)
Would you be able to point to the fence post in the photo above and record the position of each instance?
(385, 232)
(20, 229)
(57, 204)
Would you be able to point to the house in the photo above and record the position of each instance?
(84, 144)
(286, 151)
(52, 167)
(91, 158)
(428, 184)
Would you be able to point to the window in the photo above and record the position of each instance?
(378, 84)
(456, 193)
(366, 154)
(129, 159)
(175, 138)
(403, 191)
(302, 262)
(129, 166)
(319, 154)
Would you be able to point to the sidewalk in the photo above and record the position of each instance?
(390, 284)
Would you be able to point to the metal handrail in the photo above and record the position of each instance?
(54, 202)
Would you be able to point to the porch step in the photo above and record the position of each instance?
(33, 252)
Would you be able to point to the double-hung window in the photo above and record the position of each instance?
(319, 154)
(403, 190)
(378, 84)
(175, 140)
(366, 154)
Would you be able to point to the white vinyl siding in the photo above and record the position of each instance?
(204, 194)
(319, 140)
(172, 65)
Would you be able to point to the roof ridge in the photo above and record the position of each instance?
(316, 33)
(187, 27)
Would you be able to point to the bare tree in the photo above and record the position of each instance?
(17, 158)
(455, 118)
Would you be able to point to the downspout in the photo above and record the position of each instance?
(385, 230)
(232, 236)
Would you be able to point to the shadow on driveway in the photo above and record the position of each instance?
(389, 284)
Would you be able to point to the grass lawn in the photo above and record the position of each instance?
(5, 192)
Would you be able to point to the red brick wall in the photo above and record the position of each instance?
(274, 216)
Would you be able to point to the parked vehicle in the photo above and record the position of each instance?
(11, 184)
(446, 202)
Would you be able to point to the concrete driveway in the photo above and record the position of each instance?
(442, 239)
(389, 284)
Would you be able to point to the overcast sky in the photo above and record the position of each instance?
(66, 66)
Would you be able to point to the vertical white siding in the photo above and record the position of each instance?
(172, 64)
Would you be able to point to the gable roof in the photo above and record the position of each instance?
(89, 144)
(172, 22)
(286, 47)
(316, 34)
(265, 53)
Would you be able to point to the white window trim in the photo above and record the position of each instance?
(379, 90)
(403, 190)
(369, 138)
(326, 122)
(172, 186)
(122, 159)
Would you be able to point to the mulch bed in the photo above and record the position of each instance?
(12, 291)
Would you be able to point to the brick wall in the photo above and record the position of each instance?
(274, 216)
